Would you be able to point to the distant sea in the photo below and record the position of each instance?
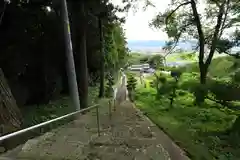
(156, 45)
(153, 46)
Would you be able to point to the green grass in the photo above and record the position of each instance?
(184, 56)
(147, 82)
(134, 58)
(220, 67)
(39, 113)
(199, 130)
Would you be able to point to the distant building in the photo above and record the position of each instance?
(139, 67)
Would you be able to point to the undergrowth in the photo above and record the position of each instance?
(40, 113)
(201, 130)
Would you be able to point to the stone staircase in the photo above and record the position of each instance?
(128, 135)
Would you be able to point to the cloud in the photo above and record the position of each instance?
(137, 23)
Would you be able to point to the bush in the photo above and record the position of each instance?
(236, 76)
(131, 83)
(131, 86)
(221, 66)
(175, 72)
(108, 86)
(156, 61)
(200, 92)
(165, 89)
(151, 83)
(159, 80)
(225, 91)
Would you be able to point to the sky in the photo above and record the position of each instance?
(137, 23)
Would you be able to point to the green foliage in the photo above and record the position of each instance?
(166, 87)
(34, 43)
(109, 86)
(197, 129)
(236, 76)
(36, 114)
(156, 61)
(115, 47)
(188, 56)
(200, 92)
(225, 90)
(135, 58)
(131, 86)
(144, 60)
(220, 67)
(182, 20)
(131, 82)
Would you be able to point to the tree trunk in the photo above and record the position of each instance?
(78, 21)
(101, 90)
(203, 73)
(10, 115)
(9, 111)
(236, 126)
(83, 65)
(201, 40)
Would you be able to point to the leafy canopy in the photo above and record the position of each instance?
(215, 22)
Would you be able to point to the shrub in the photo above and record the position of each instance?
(131, 83)
(159, 80)
(176, 73)
(131, 86)
(200, 92)
(236, 76)
(151, 83)
(156, 61)
(108, 86)
(165, 89)
(225, 91)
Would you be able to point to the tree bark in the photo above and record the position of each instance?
(201, 39)
(101, 90)
(10, 115)
(78, 21)
(215, 35)
(72, 79)
(205, 65)
(83, 81)
(203, 73)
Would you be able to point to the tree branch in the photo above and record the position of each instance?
(215, 35)
(200, 31)
(173, 11)
(217, 2)
(225, 18)
(177, 38)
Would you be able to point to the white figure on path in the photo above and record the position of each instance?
(120, 93)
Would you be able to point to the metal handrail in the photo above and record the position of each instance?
(50, 121)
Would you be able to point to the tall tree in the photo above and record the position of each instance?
(83, 81)
(209, 26)
(10, 117)
(72, 81)
(79, 30)
(101, 90)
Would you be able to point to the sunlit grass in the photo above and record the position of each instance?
(192, 127)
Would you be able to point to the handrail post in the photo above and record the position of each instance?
(98, 124)
(2, 138)
(110, 110)
(114, 105)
